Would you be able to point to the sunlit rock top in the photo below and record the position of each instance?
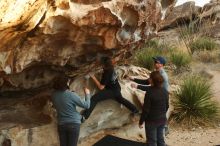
(68, 36)
(71, 32)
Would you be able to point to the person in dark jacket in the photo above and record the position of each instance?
(154, 109)
(159, 62)
(69, 119)
(109, 88)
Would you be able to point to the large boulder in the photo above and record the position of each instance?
(60, 32)
(180, 15)
(31, 121)
(211, 11)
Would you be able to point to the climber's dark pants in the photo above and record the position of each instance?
(109, 94)
(68, 134)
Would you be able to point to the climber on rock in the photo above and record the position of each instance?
(109, 88)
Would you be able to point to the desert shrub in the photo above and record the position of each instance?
(207, 56)
(180, 59)
(152, 44)
(202, 43)
(144, 57)
(193, 103)
(153, 48)
(194, 34)
(188, 31)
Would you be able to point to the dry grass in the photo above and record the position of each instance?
(207, 56)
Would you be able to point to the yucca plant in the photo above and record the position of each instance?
(180, 59)
(194, 104)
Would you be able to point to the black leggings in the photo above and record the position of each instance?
(108, 94)
(68, 134)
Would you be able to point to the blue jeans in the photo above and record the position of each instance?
(68, 134)
(155, 134)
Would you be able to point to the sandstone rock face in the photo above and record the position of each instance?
(68, 36)
(44, 39)
(212, 11)
(189, 12)
(180, 15)
(32, 121)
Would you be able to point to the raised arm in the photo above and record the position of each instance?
(141, 87)
(98, 84)
(141, 81)
(80, 102)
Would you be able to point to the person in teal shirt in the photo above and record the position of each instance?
(65, 103)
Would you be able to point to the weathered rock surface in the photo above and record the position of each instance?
(189, 12)
(180, 15)
(211, 11)
(63, 36)
(32, 120)
(43, 39)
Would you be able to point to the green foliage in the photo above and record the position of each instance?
(188, 32)
(194, 33)
(193, 102)
(153, 48)
(202, 43)
(189, 29)
(180, 59)
(144, 58)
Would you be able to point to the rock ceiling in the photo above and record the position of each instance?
(41, 37)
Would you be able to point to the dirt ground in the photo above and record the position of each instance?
(193, 137)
